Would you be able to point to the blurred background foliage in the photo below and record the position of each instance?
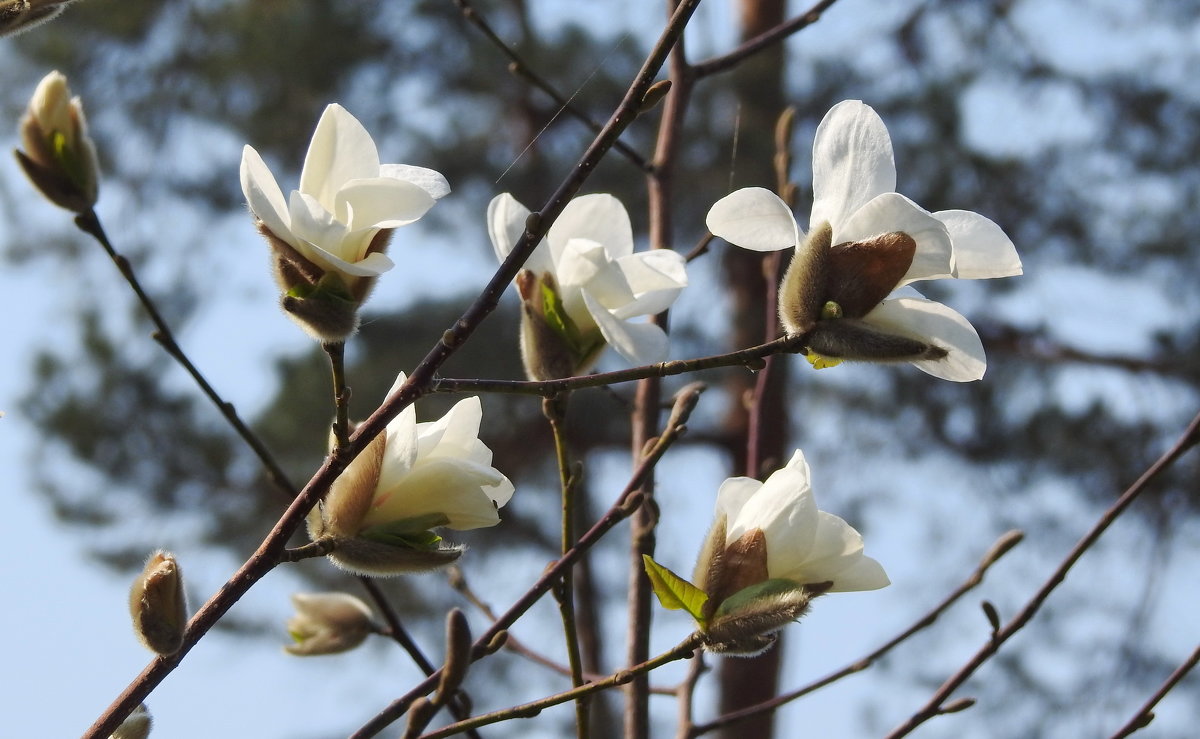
(1086, 157)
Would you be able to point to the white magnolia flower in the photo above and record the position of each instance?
(59, 156)
(413, 478)
(583, 284)
(803, 544)
(329, 236)
(871, 241)
(328, 623)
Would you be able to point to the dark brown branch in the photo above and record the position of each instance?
(933, 706)
(89, 223)
(725, 62)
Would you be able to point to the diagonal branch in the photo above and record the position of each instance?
(1190, 437)
(726, 62)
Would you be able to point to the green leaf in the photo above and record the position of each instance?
(557, 319)
(674, 592)
(765, 589)
(412, 533)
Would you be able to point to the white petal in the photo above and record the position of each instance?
(600, 218)
(787, 514)
(981, 248)
(754, 218)
(852, 162)
(449, 486)
(655, 277)
(400, 449)
(932, 321)
(263, 194)
(865, 574)
(341, 150)
(892, 212)
(506, 223)
(800, 464)
(836, 547)
(430, 181)
(381, 202)
(733, 494)
(454, 434)
(639, 343)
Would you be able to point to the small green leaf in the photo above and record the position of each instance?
(412, 533)
(556, 318)
(674, 592)
(765, 589)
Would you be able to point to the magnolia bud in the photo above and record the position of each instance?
(135, 726)
(328, 623)
(59, 156)
(158, 606)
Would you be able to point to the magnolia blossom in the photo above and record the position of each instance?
(803, 544)
(581, 286)
(329, 236)
(413, 478)
(328, 623)
(871, 241)
(59, 156)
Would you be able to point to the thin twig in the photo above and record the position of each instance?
(998, 549)
(625, 505)
(267, 554)
(725, 62)
(90, 224)
(685, 693)
(555, 410)
(933, 706)
(1145, 714)
(521, 68)
(341, 394)
(750, 358)
(683, 650)
(459, 705)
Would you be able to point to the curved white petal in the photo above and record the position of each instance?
(655, 277)
(447, 486)
(864, 574)
(893, 212)
(431, 181)
(754, 218)
(598, 217)
(934, 322)
(381, 202)
(454, 434)
(506, 223)
(787, 514)
(800, 464)
(733, 494)
(852, 162)
(583, 261)
(263, 194)
(399, 450)
(341, 150)
(836, 546)
(981, 248)
(639, 343)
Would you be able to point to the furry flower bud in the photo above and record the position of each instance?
(59, 156)
(158, 606)
(328, 623)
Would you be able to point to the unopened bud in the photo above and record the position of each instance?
(158, 606)
(59, 156)
(135, 726)
(327, 623)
